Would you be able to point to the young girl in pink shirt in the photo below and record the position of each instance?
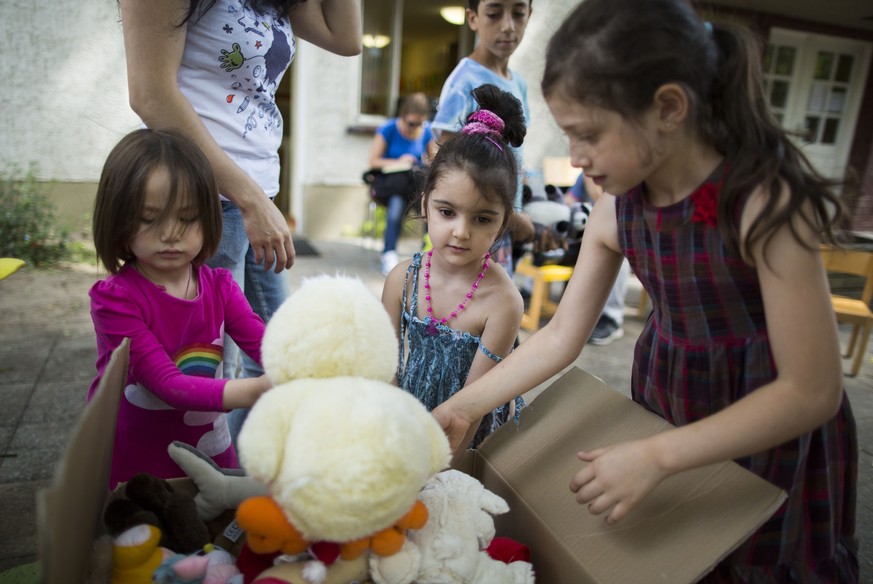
(157, 218)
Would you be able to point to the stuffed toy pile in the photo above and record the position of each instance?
(338, 462)
(150, 500)
(155, 533)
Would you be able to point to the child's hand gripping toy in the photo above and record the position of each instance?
(342, 452)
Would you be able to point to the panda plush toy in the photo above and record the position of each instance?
(565, 222)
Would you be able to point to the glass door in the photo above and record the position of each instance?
(814, 83)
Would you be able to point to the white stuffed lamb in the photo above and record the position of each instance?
(451, 547)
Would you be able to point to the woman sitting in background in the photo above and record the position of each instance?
(406, 140)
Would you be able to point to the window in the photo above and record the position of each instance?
(429, 47)
(827, 95)
(778, 74)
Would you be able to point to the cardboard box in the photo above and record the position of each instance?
(677, 534)
(69, 512)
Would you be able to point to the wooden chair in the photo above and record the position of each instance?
(540, 305)
(849, 310)
(643, 304)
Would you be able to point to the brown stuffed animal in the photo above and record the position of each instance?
(154, 501)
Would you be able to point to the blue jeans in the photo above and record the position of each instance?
(395, 211)
(264, 289)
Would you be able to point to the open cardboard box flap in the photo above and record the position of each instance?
(69, 511)
(678, 533)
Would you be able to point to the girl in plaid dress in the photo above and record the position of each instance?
(721, 217)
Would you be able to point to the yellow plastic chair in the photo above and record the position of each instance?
(540, 305)
(850, 310)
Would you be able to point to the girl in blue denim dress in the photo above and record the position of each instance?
(456, 310)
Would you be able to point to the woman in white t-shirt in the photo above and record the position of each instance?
(210, 68)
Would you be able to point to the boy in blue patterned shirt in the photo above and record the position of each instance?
(500, 26)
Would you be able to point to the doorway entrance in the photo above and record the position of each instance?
(814, 84)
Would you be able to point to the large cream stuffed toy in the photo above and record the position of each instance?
(340, 455)
(342, 452)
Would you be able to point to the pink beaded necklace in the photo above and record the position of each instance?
(432, 320)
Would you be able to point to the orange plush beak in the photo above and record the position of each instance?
(267, 528)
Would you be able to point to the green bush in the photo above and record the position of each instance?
(27, 223)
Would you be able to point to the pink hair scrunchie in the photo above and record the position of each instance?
(485, 122)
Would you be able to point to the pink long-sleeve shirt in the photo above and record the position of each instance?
(174, 387)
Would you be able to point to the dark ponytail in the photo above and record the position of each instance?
(507, 107)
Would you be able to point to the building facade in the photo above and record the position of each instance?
(66, 101)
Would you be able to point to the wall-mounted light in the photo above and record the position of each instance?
(375, 41)
(453, 14)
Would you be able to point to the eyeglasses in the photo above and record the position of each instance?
(412, 124)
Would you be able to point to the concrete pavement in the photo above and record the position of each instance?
(46, 364)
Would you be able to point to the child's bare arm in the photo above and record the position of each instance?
(501, 329)
(392, 296)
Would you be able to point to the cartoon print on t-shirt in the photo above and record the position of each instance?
(255, 75)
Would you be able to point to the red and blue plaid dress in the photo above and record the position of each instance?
(705, 346)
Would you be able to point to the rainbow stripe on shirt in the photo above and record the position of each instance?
(201, 359)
